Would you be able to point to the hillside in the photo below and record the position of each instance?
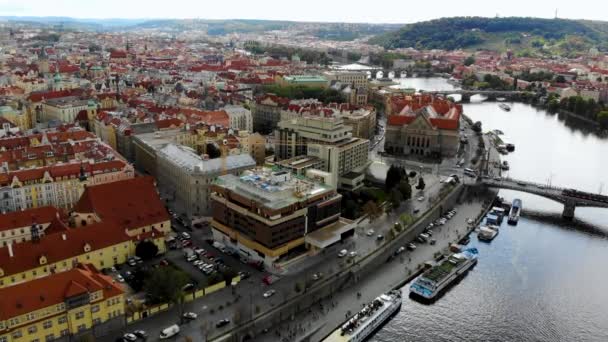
(527, 35)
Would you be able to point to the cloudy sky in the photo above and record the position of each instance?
(381, 11)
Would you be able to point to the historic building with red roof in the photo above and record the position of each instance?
(423, 125)
(61, 305)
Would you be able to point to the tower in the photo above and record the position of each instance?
(43, 61)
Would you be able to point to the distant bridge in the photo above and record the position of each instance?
(466, 94)
(570, 198)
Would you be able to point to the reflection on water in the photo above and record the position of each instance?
(539, 280)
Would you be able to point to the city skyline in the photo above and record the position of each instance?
(337, 11)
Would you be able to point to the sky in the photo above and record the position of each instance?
(380, 11)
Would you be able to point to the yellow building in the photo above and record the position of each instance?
(17, 117)
(102, 244)
(62, 305)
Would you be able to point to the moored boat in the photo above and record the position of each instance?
(516, 207)
(365, 322)
(430, 284)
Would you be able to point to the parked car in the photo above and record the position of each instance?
(399, 250)
(317, 276)
(379, 237)
(269, 293)
(370, 232)
(342, 253)
(140, 334)
(169, 332)
(185, 235)
(222, 322)
(120, 278)
(411, 246)
(190, 315)
(352, 254)
(129, 337)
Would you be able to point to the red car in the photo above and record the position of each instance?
(187, 243)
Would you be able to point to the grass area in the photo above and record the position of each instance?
(406, 219)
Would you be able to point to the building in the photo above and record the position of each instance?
(17, 227)
(425, 126)
(266, 112)
(63, 109)
(184, 177)
(59, 185)
(61, 307)
(133, 203)
(240, 118)
(18, 117)
(328, 139)
(266, 215)
(312, 81)
(353, 78)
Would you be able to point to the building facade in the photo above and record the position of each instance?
(425, 126)
(184, 177)
(61, 307)
(328, 139)
(266, 215)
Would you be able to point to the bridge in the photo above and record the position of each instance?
(570, 198)
(466, 94)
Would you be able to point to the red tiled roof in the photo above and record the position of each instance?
(133, 203)
(26, 255)
(37, 294)
(18, 219)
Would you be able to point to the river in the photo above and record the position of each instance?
(537, 281)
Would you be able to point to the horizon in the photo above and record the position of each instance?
(392, 12)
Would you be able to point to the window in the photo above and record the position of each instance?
(32, 329)
(65, 332)
(62, 320)
(82, 327)
(97, 321)
(80, 315)
(47, 324)
(3, 339)
(49, 337)
(17, 334)
(95, 308)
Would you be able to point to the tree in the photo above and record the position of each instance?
(477, 127)
(146, 250)
(406, 189)
(394, 176)
(421, 184)
(372, 210)
(469, 61)
(165, 285)
(213, 151)
(560, 79)
(602, 118)
(396, 197)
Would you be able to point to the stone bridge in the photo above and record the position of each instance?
(570, 198)
(466, 94)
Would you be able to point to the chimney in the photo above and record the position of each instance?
(64, 237)
(10, 249)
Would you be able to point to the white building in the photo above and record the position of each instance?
(184, 176)
(240, 118)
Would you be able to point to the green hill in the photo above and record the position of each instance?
(529, 35)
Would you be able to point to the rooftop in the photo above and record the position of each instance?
(272, 189)
(186, 158)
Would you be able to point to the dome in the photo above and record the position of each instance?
(57, 77)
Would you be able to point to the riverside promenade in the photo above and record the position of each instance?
(328, 313)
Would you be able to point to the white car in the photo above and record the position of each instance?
(421, 198)
(190, 315)
(370, 232)
(342, 253)
(269, 293)
(411, 246)
(352, 254)
(129, 337)
(120, 279)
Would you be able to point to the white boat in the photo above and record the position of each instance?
(361, 325)
(487, 233)
(504, 107)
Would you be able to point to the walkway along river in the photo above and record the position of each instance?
(536, 281)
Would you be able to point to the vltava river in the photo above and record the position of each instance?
(537, 281)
